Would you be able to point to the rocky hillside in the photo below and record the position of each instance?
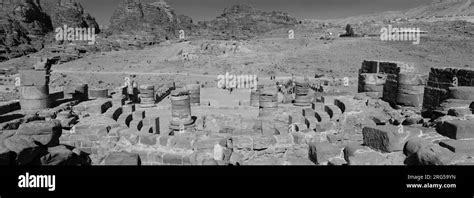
(24, 24)
(19, 23)
(436, 8)
(443, 8)
(151, 20)
(69, 12)
(243, 21)
(156, 20)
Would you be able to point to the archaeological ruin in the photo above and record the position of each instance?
(329, 93)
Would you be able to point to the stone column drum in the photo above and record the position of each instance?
(180, 110)
(268, 101)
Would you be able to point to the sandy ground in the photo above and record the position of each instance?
(275, 54)
(448, 44)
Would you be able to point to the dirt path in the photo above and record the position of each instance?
(133, 73)
(165, 74)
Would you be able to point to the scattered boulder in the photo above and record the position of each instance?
(414, 145)
(24, 148)
(236, 158)
(412, 121)
(383, 138)
(57, 156)
(433, 155)
(321, 152)
(457, 129)
(351, 149)
(461, 112)
(122, 159)
(423, 152)
(46, 133)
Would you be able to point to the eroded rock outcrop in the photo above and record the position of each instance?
(68, 12)
(20, 23)
(24, 25)
(152, 20)
(243, 21)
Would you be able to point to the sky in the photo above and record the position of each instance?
(201, 10)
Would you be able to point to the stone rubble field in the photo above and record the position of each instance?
(425, 120)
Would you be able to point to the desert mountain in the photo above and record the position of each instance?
(23, 24)
(149, 19)
(436, 8)
(243, 21)
(69, 12)
(156, 20)
(442, 8)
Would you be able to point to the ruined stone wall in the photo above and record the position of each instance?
(382, 79)
(439, 82)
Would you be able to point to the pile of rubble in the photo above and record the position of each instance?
(37, 143)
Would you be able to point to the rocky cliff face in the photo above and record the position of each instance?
(151, 19)
(27, 14)
(68, 12)
(157, 21)
(243, 21)
(25, 23)
(20, 23)
(186, 23)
